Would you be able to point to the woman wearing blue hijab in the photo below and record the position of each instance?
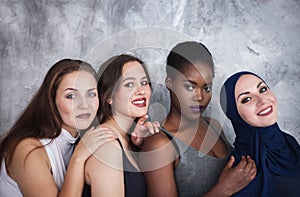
(252, 108)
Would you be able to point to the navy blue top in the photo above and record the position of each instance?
(134, 181)
(276, 153)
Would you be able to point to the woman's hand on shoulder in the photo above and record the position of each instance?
(92, 140)
(31, 169)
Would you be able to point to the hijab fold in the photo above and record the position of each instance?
(276, 153)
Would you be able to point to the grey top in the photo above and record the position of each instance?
(196, 172)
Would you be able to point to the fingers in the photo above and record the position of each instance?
(153, 127)
(243, 163)
(247, 168)
(98, 136)
(230, 162)
(142, 119)
(251, 168)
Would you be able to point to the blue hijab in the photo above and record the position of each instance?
(276, 154)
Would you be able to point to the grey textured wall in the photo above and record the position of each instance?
(257, 35)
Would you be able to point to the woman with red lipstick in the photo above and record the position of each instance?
(252, 108)
(37, 155)
(124, 92)
(191, 153)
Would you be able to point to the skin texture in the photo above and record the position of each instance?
(29, 161)
(256, 103)
(190, 93)
(77, 101)
(130, 99)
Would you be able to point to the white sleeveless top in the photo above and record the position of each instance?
(59, 153)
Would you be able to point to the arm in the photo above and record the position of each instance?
(157, 159)
(30, 168)
(74, 178)
(233, 179)
(106, 167)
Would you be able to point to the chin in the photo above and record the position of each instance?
(83, 126)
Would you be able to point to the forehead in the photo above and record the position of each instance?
(133, 68)
(246, 82)
(197, 72)
(78, 78)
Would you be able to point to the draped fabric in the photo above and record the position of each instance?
(276, 153)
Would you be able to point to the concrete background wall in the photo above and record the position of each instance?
(258, 35)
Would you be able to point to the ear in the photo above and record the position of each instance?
(168, 82)
(109, 101)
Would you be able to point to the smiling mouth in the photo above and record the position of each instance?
(141, 102)
(266, 111)
(84, 116)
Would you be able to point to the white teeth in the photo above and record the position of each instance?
(139, 102)
(266, 111)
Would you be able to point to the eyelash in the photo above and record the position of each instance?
(131, 84)
(206, 88)
(263, 89)
(73, 96)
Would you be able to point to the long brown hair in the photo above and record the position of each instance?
(110, 73)
(41, 119)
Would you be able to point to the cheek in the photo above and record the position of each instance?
(148, 91)
(96, 104)
(65, 110)
(245, 112)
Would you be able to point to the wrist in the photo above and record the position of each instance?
(80, 155)
(221, 190)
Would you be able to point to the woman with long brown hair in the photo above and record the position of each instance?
(124, 93)
(36, 152)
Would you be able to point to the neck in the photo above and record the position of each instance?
(122, 124)
(73, 132)
(175, 121)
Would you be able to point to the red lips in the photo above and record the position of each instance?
(140, 102)
(266, 111)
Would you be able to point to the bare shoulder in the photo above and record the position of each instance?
(28, 153)
(28, 146)
(157, 152)
(106, 158)
(110, 151)
(155, 141)
(214, 122)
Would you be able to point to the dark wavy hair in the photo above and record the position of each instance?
(110, 73)
(41, 119)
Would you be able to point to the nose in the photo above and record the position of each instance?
(198, 94)
(260, 101)
(140, 90)
(83, 103)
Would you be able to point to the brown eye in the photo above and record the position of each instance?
(207, 88)
(263, 89)
(246, 100)
(144, 83)
(129, 85)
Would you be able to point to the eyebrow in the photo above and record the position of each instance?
(76, 90)
(259, 84)
(189, 81)
(243, 93)
(133, 78)
(192, 82)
